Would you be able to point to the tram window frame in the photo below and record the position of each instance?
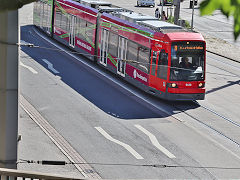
(162, 70)
(113, 44)
(132, 53)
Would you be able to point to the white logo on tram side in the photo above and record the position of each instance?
(84, 45)
(136, 75)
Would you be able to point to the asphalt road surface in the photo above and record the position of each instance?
(124, 133)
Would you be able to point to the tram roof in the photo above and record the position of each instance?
(76, 4)
(109, 9)
(161, 26)
(127, 23)
(96, 2)
(136, 16)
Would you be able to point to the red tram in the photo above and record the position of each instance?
(158, 57)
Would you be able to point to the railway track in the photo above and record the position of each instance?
(209, 121)
(217, 122)
(210, 118)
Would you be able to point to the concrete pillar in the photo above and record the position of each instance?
(176, 11)
(9, 35)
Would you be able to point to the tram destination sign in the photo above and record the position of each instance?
(189, 47)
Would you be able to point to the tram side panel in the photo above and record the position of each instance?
(75, 26)
(134, 53)
(43, 15)
(124, 50)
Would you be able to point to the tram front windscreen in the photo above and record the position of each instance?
(187, 61)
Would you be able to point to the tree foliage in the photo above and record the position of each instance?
(227, 7)
(7, 5)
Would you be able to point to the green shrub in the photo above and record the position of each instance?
(171, 20)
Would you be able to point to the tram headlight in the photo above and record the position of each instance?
(172, 85)
(201, 85)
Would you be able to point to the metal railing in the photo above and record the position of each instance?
(12, 174)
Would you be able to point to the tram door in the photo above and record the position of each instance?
(72, 24)
(122, 55)
(104, 46)
(158, 70)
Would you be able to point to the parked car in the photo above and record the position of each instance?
(146, 3)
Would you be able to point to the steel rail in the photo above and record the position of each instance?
(209, 126)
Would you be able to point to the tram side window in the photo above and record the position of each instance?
(113, 44)
(132, 53)
(78, 29)
(69, 22)
(49, 16)
(89, 32)
(81, 29)
(64, 22)
(163, 65)
(143, 58)
(42, 14)
(154, 62)
(37, 13)
(45, 14)
(58, 18)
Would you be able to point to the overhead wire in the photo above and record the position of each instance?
(123, 60)
(89, 55)
(50, 162)
(85, 54)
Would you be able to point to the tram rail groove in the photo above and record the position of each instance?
(219, 115)
(237, 61)
(209, 126)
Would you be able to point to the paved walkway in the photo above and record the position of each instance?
(222, 47)
(35, 144)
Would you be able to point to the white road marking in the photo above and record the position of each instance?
(50, 66)
(28, 67)
(126, 146)
(155, 141)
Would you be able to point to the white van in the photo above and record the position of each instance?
(146, 3)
